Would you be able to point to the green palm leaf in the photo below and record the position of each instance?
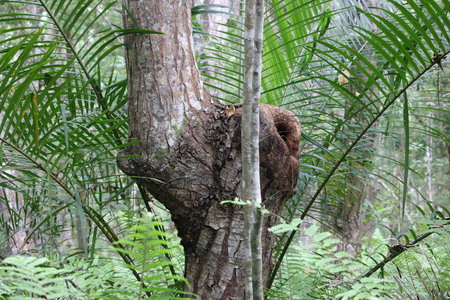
(399, 65)
(62, 111)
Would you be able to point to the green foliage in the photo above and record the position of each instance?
(348, 125)
(28, 277)
(61, 113)
(369, 288)
(238, 201)
(149, 249)
(25, 277)
(283, 227)
(317, 270)
(62, 121)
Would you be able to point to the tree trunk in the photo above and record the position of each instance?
(187, 150)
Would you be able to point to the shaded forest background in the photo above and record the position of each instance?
(369, 81)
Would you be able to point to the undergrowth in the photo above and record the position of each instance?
(27, 277)
(311, 271)
(319, 271)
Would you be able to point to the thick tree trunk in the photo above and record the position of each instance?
(187, 150)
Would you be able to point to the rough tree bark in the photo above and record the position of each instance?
(187, 150)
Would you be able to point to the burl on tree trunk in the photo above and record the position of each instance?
(188, 154)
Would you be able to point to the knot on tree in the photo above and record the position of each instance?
(279, 155)
(204, 166)
(287, 126)
(279, 150)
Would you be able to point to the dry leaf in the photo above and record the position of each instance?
(230, 109)
(343, 78)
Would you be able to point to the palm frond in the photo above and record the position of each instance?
(62, 116)
(372, 87)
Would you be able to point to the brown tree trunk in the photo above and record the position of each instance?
(187, 150)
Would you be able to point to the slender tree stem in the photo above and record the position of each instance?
(248, 183)
(251, 188)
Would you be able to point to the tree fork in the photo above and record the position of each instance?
(188, 154)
